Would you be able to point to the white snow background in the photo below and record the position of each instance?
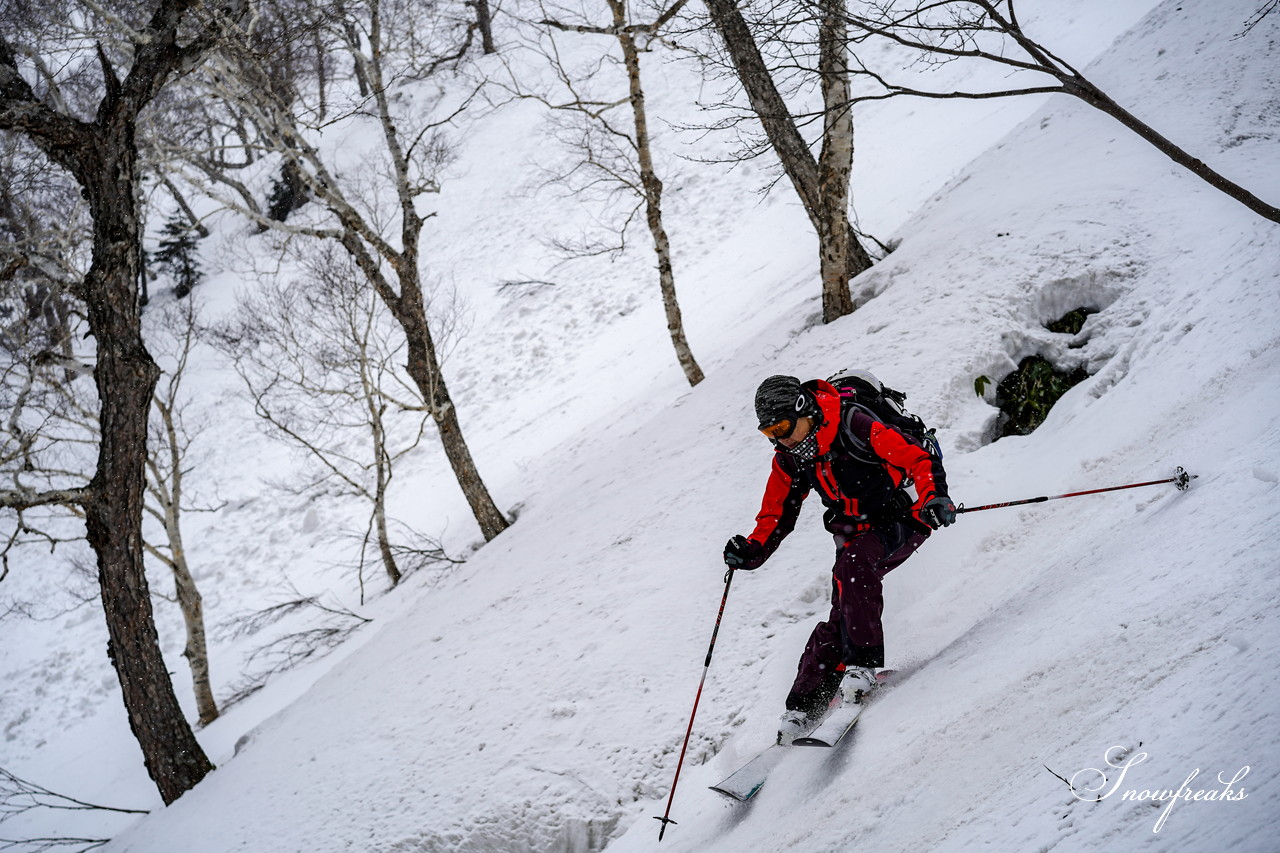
(535, 697)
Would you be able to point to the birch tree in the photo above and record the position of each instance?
(169, 464)
(373, 208)
(822, 184)
(620, 156)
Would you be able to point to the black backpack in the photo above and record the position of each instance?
(860, 390)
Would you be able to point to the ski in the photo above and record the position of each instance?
(836, 725)
(743, 783)
(839, 721)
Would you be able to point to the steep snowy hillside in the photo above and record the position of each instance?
(535, 698)
(1034, 642)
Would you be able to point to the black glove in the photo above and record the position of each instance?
(743, 553)
(938, 511)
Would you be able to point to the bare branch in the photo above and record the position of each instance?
(29, 498)
(18, 796)
(1256, 18)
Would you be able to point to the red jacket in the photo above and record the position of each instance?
(857, 492)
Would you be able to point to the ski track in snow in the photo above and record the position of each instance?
(535, 697)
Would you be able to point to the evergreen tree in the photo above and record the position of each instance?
(176, 255)
(287, 193)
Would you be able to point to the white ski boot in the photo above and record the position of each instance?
(858, 682)
(794, 724)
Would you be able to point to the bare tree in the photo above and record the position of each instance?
(319, 363)
(945, 30)
(822, 184)
(93, 138)
(168, 465)
(381, 40)
(623, 157)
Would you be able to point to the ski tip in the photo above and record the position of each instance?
(736, 796)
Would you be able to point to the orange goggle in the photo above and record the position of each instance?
(782, 429)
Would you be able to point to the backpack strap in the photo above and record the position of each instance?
(853, 443)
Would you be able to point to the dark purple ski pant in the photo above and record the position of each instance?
(852, 633)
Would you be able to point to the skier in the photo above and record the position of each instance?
(860, 468)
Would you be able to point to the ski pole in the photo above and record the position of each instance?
(1182, 480)
(666, 817)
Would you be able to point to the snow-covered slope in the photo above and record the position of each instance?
(535, 698)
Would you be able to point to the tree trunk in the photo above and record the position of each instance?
(197, 648)
(409, 307)
(793, 152)
(423, 367)
(380, 528)
(382, 474)
(484, 22)
(834, 163)
(423, 364)
(445, 415)
(169, 497)
(653, 200)
(126, 377)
